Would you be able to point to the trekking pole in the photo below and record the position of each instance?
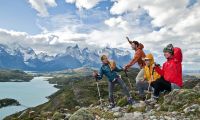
(99, 91)
(126, 74)
(128, 79)
(146, 97)
(149, 85)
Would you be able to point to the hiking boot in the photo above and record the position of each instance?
(112, 105)
(131, 101)
(152, 100)
(142, 97)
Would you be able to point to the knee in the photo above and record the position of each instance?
(138, 83)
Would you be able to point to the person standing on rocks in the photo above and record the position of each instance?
(109, 69)
(172, 68)
(154, 79)
(141, 84)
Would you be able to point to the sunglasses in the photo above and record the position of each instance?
(146, 59)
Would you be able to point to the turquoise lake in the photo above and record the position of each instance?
(29, 94)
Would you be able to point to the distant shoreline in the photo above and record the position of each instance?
(8, 102)
(14, 76)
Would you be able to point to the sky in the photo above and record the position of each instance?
(52, 25)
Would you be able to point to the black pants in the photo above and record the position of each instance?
(160, 85)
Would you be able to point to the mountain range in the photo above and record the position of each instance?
(25, 58)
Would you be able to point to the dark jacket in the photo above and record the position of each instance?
(110, 74)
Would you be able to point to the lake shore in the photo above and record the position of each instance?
(29, 94)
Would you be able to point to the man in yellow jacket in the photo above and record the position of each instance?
(154, 79)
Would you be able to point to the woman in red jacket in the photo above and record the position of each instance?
(172, 68)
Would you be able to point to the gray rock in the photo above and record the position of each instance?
(167, 117)
(58, 116)
(116, 109)
(67, 116)
(192, 108)
(82, 114)
(77, 107)
(118, 114)
(174, 112)
(137, 114)
(152, 117)
(132, 116)
(97, 117)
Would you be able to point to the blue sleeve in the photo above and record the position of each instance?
(118, 69)
(100, 75)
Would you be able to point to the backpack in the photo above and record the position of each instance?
(178, 56)
(112, 65)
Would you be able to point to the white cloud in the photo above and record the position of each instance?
(87, 4)
(42, 5)
(118, 22)
(161, 10)
(178, 24)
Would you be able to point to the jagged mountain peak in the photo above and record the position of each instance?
(73, 57)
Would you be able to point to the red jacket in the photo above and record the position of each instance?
(172, 68)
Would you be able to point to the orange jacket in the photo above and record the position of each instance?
(139, 55)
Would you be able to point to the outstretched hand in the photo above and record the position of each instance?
(156, 65)
(94, 74)
(125, 68)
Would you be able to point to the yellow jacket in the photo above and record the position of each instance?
(148, 70)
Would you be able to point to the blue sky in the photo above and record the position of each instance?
(19, 16)
(51, 25)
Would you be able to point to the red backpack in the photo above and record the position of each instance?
(178, 57)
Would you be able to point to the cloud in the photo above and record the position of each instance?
(178, 23)
(161, 11)
(117, 22)
(86, 4)
(153, 23)
(41, 6)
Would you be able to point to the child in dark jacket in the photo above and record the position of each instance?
(110, 70)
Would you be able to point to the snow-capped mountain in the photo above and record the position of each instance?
(45, 57)
(19, 57)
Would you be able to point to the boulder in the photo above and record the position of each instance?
(82, 114)
(58, 116)
(178, 99)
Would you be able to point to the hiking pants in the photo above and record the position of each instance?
(174, 86)
(111, 88)
(141, 85)
(160, 85)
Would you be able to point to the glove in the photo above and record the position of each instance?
(156, 65)
(125, 68)
(95, 74)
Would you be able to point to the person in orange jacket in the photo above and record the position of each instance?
(138, 58)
